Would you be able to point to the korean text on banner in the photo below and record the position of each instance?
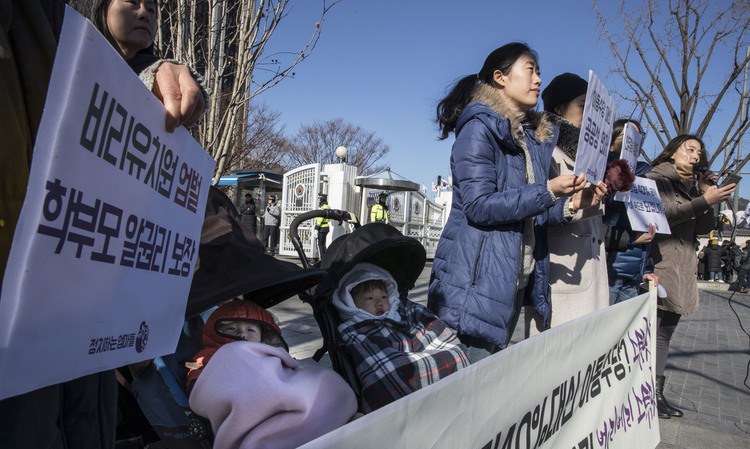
(588, 383)
(596, 131)
(631, 145)
(106, 244)
(644, 206)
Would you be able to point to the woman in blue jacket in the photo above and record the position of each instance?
(627, 250)
(492, 254)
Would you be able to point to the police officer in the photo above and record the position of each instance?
(248, 213)
(379, 212)
(271, 218)
(322, 225)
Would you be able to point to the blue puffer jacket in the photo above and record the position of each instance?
(478, 259)
(625, 259)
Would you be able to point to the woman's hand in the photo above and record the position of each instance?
(706, 179)
(646, 237)
(588, 196)
(566, 185)
(180, 93)
(715, 195)
(652, 277)
(600, 190)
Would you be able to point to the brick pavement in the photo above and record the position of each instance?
(707, 365)
(706, 369)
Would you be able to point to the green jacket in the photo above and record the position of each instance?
(321, 222)
(379, 213)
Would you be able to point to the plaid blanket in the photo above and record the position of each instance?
(393, 359)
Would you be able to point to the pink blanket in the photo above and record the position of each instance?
(257, 396)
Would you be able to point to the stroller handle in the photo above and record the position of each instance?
(331, 214)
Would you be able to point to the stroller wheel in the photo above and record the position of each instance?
(197, 429)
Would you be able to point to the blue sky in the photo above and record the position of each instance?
(384, 65)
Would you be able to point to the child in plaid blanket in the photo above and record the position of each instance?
(397, 346)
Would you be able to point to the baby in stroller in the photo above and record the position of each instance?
(253, 392)
(237, 320)
(396, 345)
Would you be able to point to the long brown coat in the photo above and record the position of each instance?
(674, 257)
(27, 50)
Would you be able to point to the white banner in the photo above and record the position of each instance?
(596, 131)
(631, 145)
(586, 384)
(104, 251)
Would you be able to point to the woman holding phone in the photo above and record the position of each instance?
(687, 201)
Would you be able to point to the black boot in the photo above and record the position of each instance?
(665, 409)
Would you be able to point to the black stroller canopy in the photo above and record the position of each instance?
(379, 244)
(232, 263)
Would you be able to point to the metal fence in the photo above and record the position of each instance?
(416, 216)
(411, 212)
(300, 194)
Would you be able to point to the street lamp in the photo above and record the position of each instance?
(341, 153)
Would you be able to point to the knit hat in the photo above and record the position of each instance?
(238, 309)
(242, 309)
(562, 89)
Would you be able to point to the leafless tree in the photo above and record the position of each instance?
(226, 40)
(317, 143)
(265, 146)
(665, 53)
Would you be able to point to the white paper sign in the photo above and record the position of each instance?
(631, 145)
(560, 389)
(644, 206)
(596, 131)
(104, 251)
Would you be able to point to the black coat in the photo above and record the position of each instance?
(745, 260)
(714, 255)
(735, 255)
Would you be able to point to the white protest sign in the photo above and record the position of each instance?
(596, 131)
(106, 244)
(644, 206)
(588, 383)
(631, 145)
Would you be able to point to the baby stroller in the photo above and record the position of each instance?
(376, 243)
(232, 263)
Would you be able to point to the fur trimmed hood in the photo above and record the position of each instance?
(491, 97)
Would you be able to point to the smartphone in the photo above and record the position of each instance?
(730, 179)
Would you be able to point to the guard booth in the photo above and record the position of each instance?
(410, 211)
(260, 183)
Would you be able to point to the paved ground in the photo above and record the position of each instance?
(707, 368)
(707, 372)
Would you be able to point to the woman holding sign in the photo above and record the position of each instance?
(80, 412)
(627, 250)
(687, 204)
(493, 251)
(578, 268)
